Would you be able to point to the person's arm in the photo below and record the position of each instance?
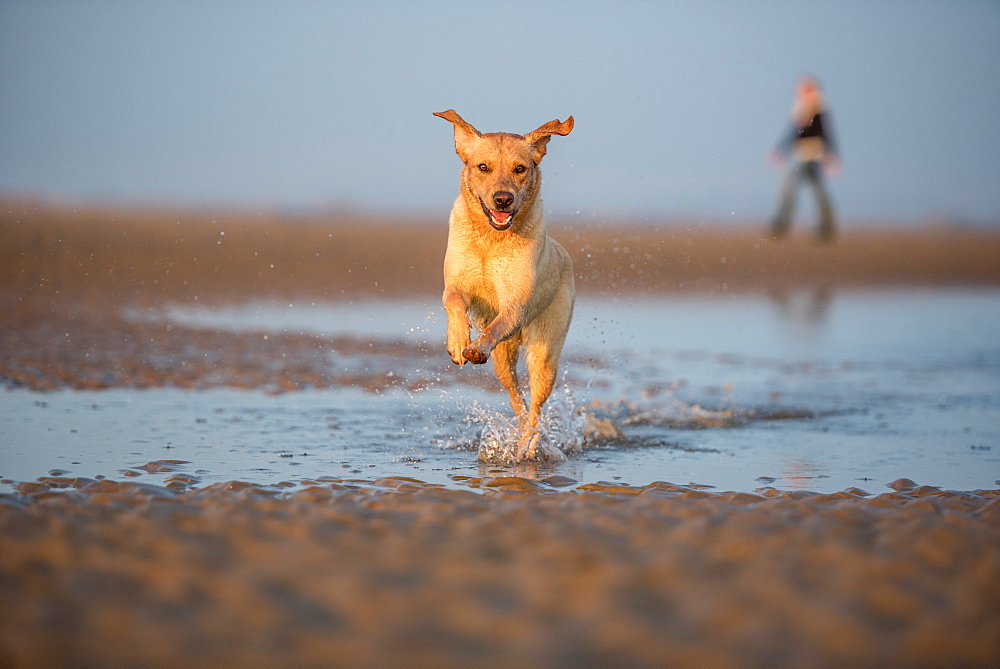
(831, 154)
(779, 154)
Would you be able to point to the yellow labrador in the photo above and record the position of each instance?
(503, 270)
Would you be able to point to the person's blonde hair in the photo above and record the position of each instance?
(808, 100)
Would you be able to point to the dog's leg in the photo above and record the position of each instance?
(505, 364)
(456, 306)
(542, 365)
(502, 328)
(544, 340)
(541, 378)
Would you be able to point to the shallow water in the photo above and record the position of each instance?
(805, 390)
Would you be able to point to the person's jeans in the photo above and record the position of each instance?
(810, 171)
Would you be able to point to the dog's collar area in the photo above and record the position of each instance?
(498, 220)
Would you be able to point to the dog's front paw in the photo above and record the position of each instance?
(457, 357)
(458, 341)
(475, 355)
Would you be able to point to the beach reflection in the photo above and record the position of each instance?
(805, 309)
(794, 386)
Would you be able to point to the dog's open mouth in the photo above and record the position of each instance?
(500, 220)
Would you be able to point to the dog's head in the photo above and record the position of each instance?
(501, 169)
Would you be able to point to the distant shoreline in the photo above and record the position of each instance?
(333, 213)
(152, 256)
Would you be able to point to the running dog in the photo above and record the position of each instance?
(503, 270)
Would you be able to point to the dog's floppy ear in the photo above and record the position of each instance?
(465, 134)
(540, 137)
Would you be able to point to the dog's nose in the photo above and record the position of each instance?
(503, 199)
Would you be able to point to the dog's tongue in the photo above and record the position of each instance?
(500, 216)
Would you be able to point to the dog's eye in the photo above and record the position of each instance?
(483, 167)
(520, 169)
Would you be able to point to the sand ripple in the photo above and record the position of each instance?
(395, 572)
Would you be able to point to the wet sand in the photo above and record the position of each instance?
(395, 572)
(148, 256)
(81, 290)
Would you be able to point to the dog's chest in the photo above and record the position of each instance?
(487, 271)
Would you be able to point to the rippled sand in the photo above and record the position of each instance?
(512, 571)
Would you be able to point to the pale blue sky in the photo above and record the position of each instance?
(319, 104)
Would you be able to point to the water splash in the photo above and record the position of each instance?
(683, 415)
(680, 415)
(560, 431)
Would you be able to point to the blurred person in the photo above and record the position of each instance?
(810, 144)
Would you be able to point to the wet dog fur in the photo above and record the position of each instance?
(503, 271)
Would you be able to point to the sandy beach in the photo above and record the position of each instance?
(396, 573)
(69, 278)
(498, 570)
